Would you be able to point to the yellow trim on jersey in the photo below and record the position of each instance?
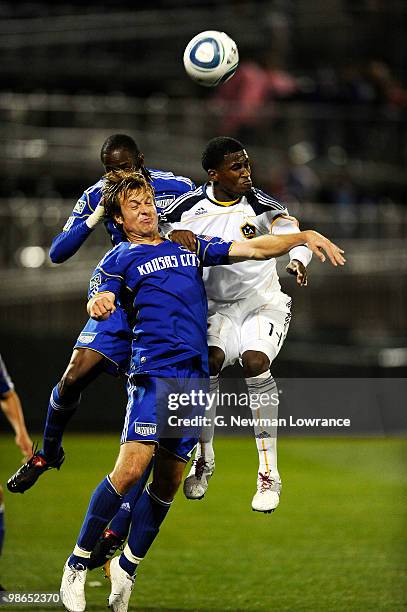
(213, 199)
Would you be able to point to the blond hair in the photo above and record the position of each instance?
(117, 182)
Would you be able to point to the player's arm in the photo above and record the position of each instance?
(300, 256)
(267, 247)
(11, 406)
(106, 283)
(77, 228)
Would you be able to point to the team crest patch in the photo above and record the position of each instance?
(248, 230)
(145, 429)
(87, 337)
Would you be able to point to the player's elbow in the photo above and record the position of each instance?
(55, 254)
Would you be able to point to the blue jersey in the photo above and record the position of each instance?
(169, 298)
(167, 187)
(6, 384)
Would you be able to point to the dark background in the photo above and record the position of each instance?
(320, 102)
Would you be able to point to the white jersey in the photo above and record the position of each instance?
(252, 215)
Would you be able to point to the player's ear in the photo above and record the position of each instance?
(213, 175)
(118, 218)
(140, 160)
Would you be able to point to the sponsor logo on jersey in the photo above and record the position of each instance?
(248, 230)
(80, 205)
(68, 224)
(87, 337)
(200, 211)
(145, 429)
(164, 202)
(125, 506)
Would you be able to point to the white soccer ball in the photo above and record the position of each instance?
(211, 58)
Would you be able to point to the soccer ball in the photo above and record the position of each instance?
(211, 58)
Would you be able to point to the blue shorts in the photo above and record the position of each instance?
(111, 338)
(151, 401)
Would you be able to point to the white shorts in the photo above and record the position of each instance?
(247, 326)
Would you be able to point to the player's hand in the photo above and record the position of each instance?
(318, 244)
(25, 444)
(185, 238)
(297, 268)
(102, 306)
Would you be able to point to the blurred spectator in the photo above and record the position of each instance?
(243, 99)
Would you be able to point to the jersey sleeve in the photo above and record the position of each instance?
(75, 231)
(6, 384)
(109, 274)
(213, 251)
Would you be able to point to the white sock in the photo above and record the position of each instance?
(205, 446)
(263, 394)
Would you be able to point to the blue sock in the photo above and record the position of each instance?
(58, 416)
(104, 503)
(1, 526)
(120, 525)
(148, 514)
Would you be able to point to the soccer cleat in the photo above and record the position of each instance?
(267, 496)
(196, 483)
(122, 586)
(105, 548)
(72, 589)
(29, 473)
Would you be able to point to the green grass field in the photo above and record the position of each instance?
(336, 542)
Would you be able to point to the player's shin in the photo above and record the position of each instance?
(263, 396)
(148, 514)
(205, 448)
(59, 414)
(104, 503)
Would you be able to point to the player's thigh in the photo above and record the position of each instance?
(133, 459)
(223, 333)
(265, 329)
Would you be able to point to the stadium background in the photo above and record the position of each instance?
(320, 100)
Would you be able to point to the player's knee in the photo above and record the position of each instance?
(167, 488)
(216, 359)
(125, 478)
(69, 382)
(255, 363)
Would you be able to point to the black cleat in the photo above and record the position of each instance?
(29, 473)
(105, 548)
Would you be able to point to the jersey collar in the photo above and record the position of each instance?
(209, 194)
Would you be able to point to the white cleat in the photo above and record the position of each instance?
(72, 589)
(267, 496)
(122, 586)
(196, 483)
